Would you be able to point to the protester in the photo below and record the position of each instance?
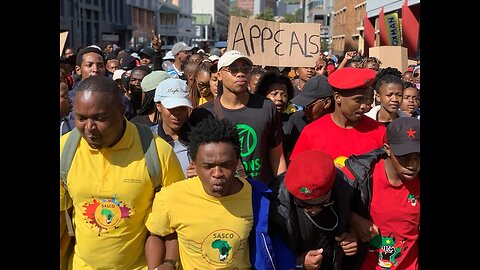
(148, 113)
(346, 130)
(389, 94)
(109, 186)
(182, 52)
(317, 101)
(256, 118)
(200, 92)
(171, 100)
(66, 107)
(310, 210)
(220, 219)
(389, 186)
(411, 100)
(256, 73)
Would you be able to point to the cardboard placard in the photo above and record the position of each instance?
(391, 56)
(269, 43)
(63, 40)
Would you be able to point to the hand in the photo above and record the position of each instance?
(313, 259)
(191, 172)
(349, 55)
(320, 66)
(156, 41)
(363, 228)
(348, 242)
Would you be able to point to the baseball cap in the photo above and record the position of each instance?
(151, 80)
(180, 46)
(403, 135)
(213, 58)
(146, 51)
(215, 51)
(310, 175)
(169, 56)
(315, 87)
(118, 74)
(231, 56)
(172, 93)
(350, 78)
(128, 62)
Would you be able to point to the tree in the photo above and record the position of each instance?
(267, 14)
(239, 12)
(293, 18)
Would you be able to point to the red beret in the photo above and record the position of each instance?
(310, 175)
(351, 78)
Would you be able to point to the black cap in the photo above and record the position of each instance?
(403, 135)
(128, 62)
(315, 87)
(146, 51)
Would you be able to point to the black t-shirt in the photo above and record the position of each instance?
(292, 128)
(259, 127)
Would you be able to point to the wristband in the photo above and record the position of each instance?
(172, 262)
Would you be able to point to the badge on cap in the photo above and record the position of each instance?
(306, 191)
(411, 133)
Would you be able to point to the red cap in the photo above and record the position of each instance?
(351, 78)
(310, 175)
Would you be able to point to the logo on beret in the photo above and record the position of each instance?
(411, 133)
(306, 191)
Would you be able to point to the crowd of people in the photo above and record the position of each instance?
(259, 167)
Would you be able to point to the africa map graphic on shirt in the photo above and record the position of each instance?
(105, 213)
(219, 247)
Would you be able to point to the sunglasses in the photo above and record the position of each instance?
(309, 106)
(234, 69)
(416, 74)
(303, 205)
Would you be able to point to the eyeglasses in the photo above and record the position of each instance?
(304, 205)
(309, 106)
(234, 69)
(416, 74)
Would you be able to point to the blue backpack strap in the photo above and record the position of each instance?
(151, 155)
(66, 159)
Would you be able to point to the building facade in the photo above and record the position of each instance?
(96, 22)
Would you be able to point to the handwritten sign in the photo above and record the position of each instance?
(269, 43)
(63, 39)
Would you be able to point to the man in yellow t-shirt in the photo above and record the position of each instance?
(108, 181)
(217, 217)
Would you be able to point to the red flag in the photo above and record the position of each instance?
(383, 28)
(368, 34)
(410, 29)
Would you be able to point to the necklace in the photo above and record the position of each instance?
(320, 227)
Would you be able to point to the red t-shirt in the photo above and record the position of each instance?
(340, 142)
(396, 212)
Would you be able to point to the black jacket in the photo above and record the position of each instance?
(283, 216)
(361, 167)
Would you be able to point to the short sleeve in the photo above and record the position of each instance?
(159, 221)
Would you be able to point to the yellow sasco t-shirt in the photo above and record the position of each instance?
(212, 232)
(112, 195)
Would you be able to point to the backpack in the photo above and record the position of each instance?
(149, 150)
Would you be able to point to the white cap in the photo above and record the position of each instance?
(172, 93)
(213, 57)
(326, 53)
(231, 56)
(118, 74)
(169, 56)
